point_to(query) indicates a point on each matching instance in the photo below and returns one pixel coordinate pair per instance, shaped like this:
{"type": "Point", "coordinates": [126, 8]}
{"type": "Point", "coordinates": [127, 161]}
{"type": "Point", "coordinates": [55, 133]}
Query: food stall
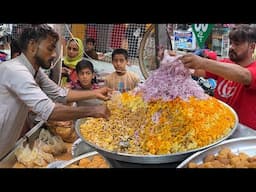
{"type": "Point", "coordinates": [150, 127]}
{"type": "Point", "coordinates": [140, 134]}
{"type": "Point", "coordinates": [147, 134]}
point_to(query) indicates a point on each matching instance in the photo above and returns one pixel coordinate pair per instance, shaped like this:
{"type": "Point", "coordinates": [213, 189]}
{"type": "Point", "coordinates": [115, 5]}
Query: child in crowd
{"type": "Point", "coordinates": [86, 76]}
{"type": "Point", "coordinates": [86, 81]}
{"type": "Point", "coordinates": [90, 50]}
{"type": "Point", "coordinates": [121, 80]}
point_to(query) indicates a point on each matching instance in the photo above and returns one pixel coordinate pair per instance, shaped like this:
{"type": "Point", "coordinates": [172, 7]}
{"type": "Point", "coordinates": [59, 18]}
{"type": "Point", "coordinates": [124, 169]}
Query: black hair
{"type": "Point", "coordinates": [120, 51]}
{"type": "Point", "coordinates": [254, 32]}
{"type": "Point", "coordinates": [15, 48]}
{"type": "Point", "coordinates": [83, 64]}
{"type": "Point", "coordinates": [71, 40]}
{"type": "Point", "coordinates": [90, 39]}
{"type": "Point", "coordinates": [242, 33]}
{"type": "Point", "coordinates": [37, 33]}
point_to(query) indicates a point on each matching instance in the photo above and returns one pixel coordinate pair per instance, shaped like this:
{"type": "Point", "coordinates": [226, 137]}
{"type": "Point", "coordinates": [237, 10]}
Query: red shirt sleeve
{"type": "Point", "coordinates": [252, 69]}
{"type": "Point", "coordinates": [211, 75]}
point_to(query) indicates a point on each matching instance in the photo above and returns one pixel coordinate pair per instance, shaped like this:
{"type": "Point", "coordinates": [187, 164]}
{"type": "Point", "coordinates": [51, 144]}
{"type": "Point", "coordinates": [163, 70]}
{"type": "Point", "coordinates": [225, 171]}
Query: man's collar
{"type": "Point", "coordinates": [28, 64]}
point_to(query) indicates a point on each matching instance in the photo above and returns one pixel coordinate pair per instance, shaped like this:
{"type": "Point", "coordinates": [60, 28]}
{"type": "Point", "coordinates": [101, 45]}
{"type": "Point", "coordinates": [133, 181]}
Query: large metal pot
{"type": "Point", "coordinates": [151, 159]}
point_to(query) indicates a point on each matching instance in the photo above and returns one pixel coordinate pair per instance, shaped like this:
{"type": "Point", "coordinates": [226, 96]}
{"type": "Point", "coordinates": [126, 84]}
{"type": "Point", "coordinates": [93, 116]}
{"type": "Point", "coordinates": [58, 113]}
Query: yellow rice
{"type": "Point", "coordinates": [159, 127]}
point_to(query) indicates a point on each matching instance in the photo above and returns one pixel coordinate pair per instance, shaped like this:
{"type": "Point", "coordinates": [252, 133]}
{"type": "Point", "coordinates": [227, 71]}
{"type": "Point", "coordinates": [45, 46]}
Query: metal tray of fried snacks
{"type": "Point", "coordinates": [9, 160]}
{"type": "Point", "coordinates": [100, 162]}
{"type": "Point", "coordinates": [246, 145]}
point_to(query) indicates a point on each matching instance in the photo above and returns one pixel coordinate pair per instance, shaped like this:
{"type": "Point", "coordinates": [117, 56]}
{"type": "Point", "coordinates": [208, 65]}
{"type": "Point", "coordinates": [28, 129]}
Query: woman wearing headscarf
{"type": "Point", "coordinates": [74, 54]}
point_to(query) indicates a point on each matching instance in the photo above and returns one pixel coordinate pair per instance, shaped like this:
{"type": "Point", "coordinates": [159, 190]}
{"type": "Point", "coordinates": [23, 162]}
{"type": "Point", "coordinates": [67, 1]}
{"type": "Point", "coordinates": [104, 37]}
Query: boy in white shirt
{"type": "Point", "coordinates": [121, 80]}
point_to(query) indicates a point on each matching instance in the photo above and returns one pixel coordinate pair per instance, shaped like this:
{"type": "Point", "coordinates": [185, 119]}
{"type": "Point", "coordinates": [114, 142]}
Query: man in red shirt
{"type": "Point", "coordinates": [236, 76]}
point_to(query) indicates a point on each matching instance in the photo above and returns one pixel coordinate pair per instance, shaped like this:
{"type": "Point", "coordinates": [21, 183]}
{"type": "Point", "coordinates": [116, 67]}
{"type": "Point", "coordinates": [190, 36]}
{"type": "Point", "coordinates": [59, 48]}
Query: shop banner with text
{"type": "Point", "coordinates": [202, 32]}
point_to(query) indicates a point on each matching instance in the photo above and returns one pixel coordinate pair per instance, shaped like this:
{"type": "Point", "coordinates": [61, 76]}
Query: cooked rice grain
{"type": "Point", "coordinates": [159, 127]}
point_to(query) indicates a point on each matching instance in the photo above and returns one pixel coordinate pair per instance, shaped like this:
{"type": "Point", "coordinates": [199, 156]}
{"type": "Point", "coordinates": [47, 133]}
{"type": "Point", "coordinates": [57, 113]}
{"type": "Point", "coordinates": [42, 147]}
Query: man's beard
{"type": "Point", "coordinates": [41, 62]}
{"type": "Point", "coordinates": [234, 57]}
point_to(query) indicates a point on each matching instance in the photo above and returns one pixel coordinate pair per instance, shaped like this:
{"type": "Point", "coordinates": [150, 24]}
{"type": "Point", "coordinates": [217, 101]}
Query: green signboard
{"type": "Point", "coordinates": [202, 32]}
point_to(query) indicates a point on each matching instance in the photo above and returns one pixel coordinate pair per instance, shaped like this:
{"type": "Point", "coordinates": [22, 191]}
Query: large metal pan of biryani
{"type": "Point", "coordinates": [163, 120]}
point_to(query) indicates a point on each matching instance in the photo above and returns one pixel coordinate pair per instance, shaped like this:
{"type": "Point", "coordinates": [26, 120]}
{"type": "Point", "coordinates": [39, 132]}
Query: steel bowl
{"type": "Point", "coordinates": [79, 147]}
{"type": "Point", "coordinates": [237, 145]}
{"type": "Point", "coordinates": [151, 159]}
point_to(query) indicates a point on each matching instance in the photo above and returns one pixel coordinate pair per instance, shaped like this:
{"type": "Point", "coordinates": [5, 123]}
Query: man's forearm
{"type": "Point", "coordinates": [231, 72]}
{"type": "Point", "coordinates": [65, 113]}
{"type": "Point", "coordinates": [75, 95]}
{"type": "Point", "coordinates": [199, 73]}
